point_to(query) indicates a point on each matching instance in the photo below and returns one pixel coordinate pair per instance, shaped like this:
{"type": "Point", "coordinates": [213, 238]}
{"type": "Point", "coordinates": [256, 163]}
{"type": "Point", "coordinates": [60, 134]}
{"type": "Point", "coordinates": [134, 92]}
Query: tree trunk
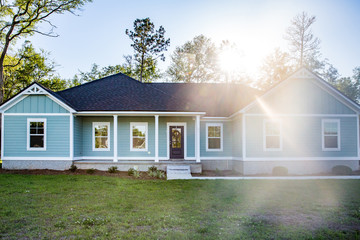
{"type": "Point", "coordinates": [141, 67]}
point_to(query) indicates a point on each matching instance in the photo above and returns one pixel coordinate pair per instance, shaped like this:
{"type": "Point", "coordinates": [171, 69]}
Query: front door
{"type": "Point", "coordinates": [177, 142]}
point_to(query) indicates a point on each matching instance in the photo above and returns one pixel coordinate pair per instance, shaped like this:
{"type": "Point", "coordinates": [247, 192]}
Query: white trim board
{"type": "Point", "coordinates": [39, 158]}
{"type": "Point", "coordinates": [289, 159]}
{"type": "Point", "coordinates": [37, 114]}
{"type": "Point", "coordinates": [138, 113]}
{"type": "Point", "coordinates": [299, 115]}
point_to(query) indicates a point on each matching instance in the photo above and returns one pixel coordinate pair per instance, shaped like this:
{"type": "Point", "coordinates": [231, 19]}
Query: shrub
{"type": "Point", "coordinates": [73, 168]}
{"type": "Point", "coordinates": [90, 171]}
{"type": "Point", "coordinates": [152, 174]}
{"type": "Point", "coordinates": [341, 170]}
{"type": "Point", "coordinates": [112, 169]}
{"type": "Point", "coordinates": [131, 171]}
{"type": "Point", "coordinates": [152, 169]}
{"type": "Point", "coordinates": [160, 174]}
{"type": "Point", "coordinates": [136, 173]}
{"type": "Point", "coordinates": [280, 171]}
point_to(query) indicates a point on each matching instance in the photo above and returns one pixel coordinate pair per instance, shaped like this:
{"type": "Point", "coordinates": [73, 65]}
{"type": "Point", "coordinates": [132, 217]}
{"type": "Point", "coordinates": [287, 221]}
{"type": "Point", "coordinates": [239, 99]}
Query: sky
{"type": "Point", "coordinates": [257, 27]}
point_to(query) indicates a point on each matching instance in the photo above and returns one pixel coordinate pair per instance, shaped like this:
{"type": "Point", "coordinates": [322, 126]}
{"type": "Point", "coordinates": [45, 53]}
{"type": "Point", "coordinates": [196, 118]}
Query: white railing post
{"type": "Point", "coordinates": [115, 138]}
{"type": "Point", "coordinates": [156, 138]}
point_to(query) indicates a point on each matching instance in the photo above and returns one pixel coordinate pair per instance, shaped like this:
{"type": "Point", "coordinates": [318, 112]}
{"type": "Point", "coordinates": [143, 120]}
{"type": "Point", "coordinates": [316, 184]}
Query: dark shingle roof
{"type": "Point", "coordinates": [122, 93]}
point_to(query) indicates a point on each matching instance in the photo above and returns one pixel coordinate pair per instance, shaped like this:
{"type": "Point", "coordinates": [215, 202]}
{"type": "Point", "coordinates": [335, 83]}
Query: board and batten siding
{"type": "Point", "coordinates": [227, 140]}
{"type": "Point", "coordinates": [301, 137]}
{"type": "Point", "coordinates": [36, 104]}
{"type": "Point", "coordinates": [300, 96]}
{"type": "Point", "coordinates": [57, 139]}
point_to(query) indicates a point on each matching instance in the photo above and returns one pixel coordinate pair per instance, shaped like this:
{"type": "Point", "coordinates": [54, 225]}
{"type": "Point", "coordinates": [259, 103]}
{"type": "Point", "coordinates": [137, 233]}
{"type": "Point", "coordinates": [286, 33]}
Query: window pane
{"type": "Point", "coordinates": [214, 143]}
{"type": "Point", "coordinates": [101, 142]}
{"type": "Point", "coordinates": [217, 131]}
{"type": "Point", "coordinates": [139, 131]}
{"type": "Point", "coordinates": [139, 143]}
{"type": "Point", "coordinates": [101, 130]}
{"type": "Point", "coordinates": [36, 141]}
{"type": "Point", "coordinates": [272, 128]}
{"type": "Point", "coordinates": [330, 128]}
{"type": "Point", "coordinates": [272, 142]}
{"type": "Point", "coordinates": [211, 132]}
{"type": "Point", "coordinates": [330, 141]}
{"type": "Point", "coordinates": [32, 130]}
{"type": "Point", "coordinates": [40, 131]}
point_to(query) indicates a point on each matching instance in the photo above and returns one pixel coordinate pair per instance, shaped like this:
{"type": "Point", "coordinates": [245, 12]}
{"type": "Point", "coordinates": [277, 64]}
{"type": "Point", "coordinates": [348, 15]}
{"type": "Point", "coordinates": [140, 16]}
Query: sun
{"type": "Point", "coordinates": [230, 60]}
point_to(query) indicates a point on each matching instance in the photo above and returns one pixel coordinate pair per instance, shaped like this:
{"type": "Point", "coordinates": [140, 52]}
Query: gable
{"type": "Point", "coordinates": [36, 104]}
{"type": "Point", "coordinates": [301, 95]}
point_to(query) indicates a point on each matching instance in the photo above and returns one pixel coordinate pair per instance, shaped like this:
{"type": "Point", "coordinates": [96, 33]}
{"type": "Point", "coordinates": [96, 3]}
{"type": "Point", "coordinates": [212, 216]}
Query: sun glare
{"type": "Point", "coordinates": [230, 60]}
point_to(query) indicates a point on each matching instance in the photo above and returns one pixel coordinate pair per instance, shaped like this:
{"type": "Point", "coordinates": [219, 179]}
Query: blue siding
{"type": "Point", "coordinates": [301, 96]}
{"type": "Point", "coordinates": [301, 138]}
{"type": "Point", "coordinates": [57, 142]}
{"type": "Point", "coordinates": [227, 141]}
{"type": "Point", "coordinates": [190, 131]}
{"type": "Point", "coordinates": [237, 137]}
{"type": "Point", "coordinates": [78, 134]}
{"type": "Point", "coordinates": [124, 137]}
{"type": "Point", "coordinates": [36, 104]}
{"type": "Point", "coordinates": [87, 138]}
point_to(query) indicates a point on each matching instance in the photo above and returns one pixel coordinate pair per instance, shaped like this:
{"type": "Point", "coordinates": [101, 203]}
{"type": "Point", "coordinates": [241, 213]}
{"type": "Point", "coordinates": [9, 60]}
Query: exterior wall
{"type": "Point", "coordinates": [301, 137]}
{"type": "Point", "coordinates": [87, 137]}
{"type": "Point", "coordinates": [227, 140]}
{"type": "Point", "coordinates": [190, 132]}
{"type": "Point", "coordinates": [237, 137]}
{"type": "Point", "coordinates": [38, 164]}
{"type": "Point", "coordinates": [124, 137]}
{"type": "Point", "coordinates": [36, 104]}
{"type": "Point", "coordinates": [296, 167]}
{"type": "Point", "coordinates": [78, 136]}
{"type": "Point", "coordinates": [300, 96]}
{"type": "Point", "coordinates": [57, 139]}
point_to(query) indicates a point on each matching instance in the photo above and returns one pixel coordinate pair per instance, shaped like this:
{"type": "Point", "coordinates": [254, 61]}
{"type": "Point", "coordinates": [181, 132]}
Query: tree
{"type": "Point", "coordinates": [276, 67]}
{"type": "Point", "coordinates": [149, 45]}
{"type": "Point", "coordinates": [127, 68]}
{"type": "Point", "coordinates": [195, 61]}
{"type": "Point", "coordinates": [21, 18]}
{"type": "Point", "coordinates": [26, 67]}
{"type": "Point", "coordinates": [303, 45]}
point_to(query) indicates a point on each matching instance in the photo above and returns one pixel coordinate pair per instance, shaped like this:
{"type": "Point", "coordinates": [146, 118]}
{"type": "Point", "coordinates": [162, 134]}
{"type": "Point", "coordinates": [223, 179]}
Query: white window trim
{"type": "Point", "coordinates": [221, 137]}
{"type": "Point", "coordinates": [146, 136]}
{"type": "Point", "coordinates": [28, 134]}
{"type": "Point", "coordinates": [264, 135]}
{"type": "Point", "coordinates": [93, 136]}
{"type": "Point", "coordinates": [323, 121]}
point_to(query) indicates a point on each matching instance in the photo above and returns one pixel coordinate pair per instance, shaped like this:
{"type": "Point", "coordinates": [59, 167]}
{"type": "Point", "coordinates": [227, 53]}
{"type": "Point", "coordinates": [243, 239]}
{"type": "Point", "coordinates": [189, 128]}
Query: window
{"type": "Point", "coordinates": [331, 135]}
{"type": "Point", "coordinates": [138, 136]}
{"type": "Point", "coordinates": [36, 137]}
{"type": "Point", "coordinates": [101, 136]}
{"type": "Point", "coordinates": [214, 133]}
{"type": "Point", "coordinates": [272, 135]}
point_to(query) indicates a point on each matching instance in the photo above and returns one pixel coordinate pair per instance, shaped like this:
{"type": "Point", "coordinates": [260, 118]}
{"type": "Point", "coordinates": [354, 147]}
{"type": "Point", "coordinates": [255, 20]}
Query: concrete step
{"type": "Point", "coordinates": [178, 172]}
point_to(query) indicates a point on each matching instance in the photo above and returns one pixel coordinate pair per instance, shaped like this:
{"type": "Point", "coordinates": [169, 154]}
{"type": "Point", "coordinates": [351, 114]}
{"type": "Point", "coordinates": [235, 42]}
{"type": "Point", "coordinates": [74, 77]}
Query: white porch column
{"type": "Point", "coordinates": [197, 138]}
{"type": "Point", "coordinates": [115, 138]}
{"type": "Point", "coordinates": [71, 136]}
{"type": "Point", "coordinates": [156, 138]}
{"type": "Point", "coordinates": [243, 136]}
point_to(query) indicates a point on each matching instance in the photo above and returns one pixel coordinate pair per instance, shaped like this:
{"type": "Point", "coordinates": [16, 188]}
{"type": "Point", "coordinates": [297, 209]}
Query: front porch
{"type": "Point", "coordinates": [103, 165]}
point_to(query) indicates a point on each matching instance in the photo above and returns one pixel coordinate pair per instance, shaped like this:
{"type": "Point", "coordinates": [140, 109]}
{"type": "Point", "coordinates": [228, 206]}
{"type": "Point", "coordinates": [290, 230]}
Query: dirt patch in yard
{"type": "Point", "coordinates": [143, 175]}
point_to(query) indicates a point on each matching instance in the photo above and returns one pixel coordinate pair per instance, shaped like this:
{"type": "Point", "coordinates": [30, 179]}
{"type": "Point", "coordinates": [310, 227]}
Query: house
{"type": "Point", "coordinates": [302, 123]}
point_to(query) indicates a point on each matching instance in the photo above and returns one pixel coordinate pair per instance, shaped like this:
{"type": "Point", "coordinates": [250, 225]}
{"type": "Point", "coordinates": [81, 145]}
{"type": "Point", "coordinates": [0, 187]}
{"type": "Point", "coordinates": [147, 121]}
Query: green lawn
{"type": "Point", "coordinates": [87, 207]}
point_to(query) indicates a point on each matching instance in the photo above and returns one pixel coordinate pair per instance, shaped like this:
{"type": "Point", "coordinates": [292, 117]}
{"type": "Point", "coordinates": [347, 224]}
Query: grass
{"type": "Point", "coordinates": [87, 207]}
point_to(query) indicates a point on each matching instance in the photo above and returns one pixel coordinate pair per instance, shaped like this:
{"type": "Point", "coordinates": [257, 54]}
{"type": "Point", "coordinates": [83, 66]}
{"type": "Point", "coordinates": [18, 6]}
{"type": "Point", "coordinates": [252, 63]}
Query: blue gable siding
{"type": "Point", "coordinates": [36, 104]}
{"type": "Point", "coordinates": [301, 137]}
{"type": "Point", "coordinates": [57, 141]}
{"type": "Point", "coordinates": [227, 141]}
{"type": "Point", "coordinates": [300, 96]}
{"type": "Point", "coordinates": [87, 137]}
